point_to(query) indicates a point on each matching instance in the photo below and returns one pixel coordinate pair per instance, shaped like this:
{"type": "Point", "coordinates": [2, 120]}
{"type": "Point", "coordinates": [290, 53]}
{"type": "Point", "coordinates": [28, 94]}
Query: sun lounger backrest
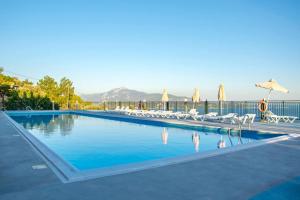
{"type": "Point", "coordinates": [193, 111]}
{"type": "Point", "coordinates": [230, 115]}
{"type": "Point", "coordinates": [213, 114]}
{"type": "Point", "coordinates": [269, 113]}
{"type": "Point", "coordinates": [250, 117]}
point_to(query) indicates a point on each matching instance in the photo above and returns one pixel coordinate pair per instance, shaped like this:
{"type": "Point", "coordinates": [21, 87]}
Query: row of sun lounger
{"type": "Point", "coordinates": [232, 118]}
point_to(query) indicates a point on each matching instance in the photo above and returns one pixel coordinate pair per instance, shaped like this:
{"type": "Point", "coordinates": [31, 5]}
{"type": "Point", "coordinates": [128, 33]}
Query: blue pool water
{"type": "Point", "coordinates": [89, 142]}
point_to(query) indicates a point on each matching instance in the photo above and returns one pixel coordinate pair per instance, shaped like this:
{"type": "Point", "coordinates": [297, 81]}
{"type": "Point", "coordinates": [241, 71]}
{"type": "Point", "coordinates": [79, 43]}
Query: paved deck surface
{"type": "Point", "coordinates": [264, 172]}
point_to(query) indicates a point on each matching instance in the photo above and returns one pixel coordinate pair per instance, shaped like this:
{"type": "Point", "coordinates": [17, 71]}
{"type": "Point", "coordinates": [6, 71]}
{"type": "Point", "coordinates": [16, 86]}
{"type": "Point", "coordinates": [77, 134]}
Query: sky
{"type": "Point", "coordinates": [154, 44]}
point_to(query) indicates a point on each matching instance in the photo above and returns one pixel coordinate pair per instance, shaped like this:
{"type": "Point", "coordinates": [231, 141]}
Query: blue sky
{"type": "Point", "coordinates": [149, 45]}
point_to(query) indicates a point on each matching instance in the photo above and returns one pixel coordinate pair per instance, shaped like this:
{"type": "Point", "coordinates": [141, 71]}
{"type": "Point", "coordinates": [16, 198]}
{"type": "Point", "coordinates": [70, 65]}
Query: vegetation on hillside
{"type": "Point", "coordinates": [16, 94]}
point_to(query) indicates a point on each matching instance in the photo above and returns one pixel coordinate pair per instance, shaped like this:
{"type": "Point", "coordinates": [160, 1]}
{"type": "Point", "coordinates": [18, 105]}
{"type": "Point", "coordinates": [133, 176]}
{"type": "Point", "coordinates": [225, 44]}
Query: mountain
{"type": "Point", "coordinates": [124, 94]}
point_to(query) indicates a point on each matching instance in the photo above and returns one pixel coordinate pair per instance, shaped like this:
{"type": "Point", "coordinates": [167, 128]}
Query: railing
{"type": "Point", "coordinates": [291, 108]}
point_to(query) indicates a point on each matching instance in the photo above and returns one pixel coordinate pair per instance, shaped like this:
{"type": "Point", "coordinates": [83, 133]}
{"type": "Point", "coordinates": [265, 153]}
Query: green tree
{"type": "Point", "coordinates": [67, 92]}
{"type": "Point", "coordinates": [49, 87]}
{"type": "Point", "coordinates": [5, 90]}
{"type": "Point", "coordinates": [19, 95]}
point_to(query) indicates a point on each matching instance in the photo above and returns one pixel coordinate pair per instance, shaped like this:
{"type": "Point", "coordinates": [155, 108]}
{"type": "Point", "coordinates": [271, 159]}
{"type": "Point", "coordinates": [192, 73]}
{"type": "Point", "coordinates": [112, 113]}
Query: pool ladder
{"type": "Point", "coordinates": [240, 134]}
{"type": "Point", "coordinates": [28, 108]}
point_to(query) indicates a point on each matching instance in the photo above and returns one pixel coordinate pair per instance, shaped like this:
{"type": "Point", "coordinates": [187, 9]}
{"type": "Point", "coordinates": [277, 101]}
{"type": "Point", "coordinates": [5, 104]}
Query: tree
{"type": "Point", "coordinates": [49, 87]}
{"type": "Point", "coordinates": [5, 90]}
{"type": "Point", "coordinates": [19, 95]}
{"type": "Point", "coordinates": [66, 92]}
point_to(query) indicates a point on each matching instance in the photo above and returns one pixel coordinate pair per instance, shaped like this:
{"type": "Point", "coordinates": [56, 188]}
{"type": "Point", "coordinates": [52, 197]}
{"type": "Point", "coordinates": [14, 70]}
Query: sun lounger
{"type": "Point", "coordinates": [224, 118]}
{"type": "Point", "coordinates": [250, 118]}
{"type": "Point", "coordinates": [165, 114]}
{"type": "Point", "coordinates": [179, 115]}
{"type": "Point", "coordinates": [245, 119]}
{"type": "Point", "coordinates": [272, 118]}
{"type": "Point", "coordinates": [124, 109]}
{"type": "Point", "coordinates": [117, 109]}
{"type": "Point", "coordinates": [205, 116]}
{"type": "Point", "coordinates": [228, 118]}
{"type": "Point", "coordinates": [191, 114]}
{"type": "Point", "coordinates": [151, 113]}
{"type": "Point", "coordinates": [288, 119]}
{"type": "Point", "coordinates": [130, 112]}
{"type": "Point", "coordinates": [158, 113]}
{"type": "Point", "coordinates": [155, 113]}
{"type": "Point", "coordinates": [170, 114]}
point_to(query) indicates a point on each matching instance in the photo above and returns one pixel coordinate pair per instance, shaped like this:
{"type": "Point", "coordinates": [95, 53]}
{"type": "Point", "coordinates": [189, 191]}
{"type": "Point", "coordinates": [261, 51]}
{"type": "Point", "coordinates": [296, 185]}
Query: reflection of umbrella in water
{"type": "Point", "coordinates": [164, 136]}
{"type": "Point", "coordinates": [221, 143]}
{"type": "Point", "coordinates": [196, 141]}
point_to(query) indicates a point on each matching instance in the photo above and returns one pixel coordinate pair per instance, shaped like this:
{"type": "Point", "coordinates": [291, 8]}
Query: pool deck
{"type": "Point", "coordinates": [269, 171]}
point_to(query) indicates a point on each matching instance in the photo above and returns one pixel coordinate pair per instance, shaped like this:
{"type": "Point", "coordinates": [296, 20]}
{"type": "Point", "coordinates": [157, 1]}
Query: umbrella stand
{"type": "Point", "coordinates": [206, 107]}
{"type": "Point", "coordinates": [268, 99]}
{"type": "Point", "coordinates": [220, 107]}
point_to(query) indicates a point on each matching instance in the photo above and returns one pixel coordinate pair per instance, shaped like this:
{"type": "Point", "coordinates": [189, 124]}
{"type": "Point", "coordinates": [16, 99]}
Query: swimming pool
{"type": "Point", "coordinates": [88, 142]}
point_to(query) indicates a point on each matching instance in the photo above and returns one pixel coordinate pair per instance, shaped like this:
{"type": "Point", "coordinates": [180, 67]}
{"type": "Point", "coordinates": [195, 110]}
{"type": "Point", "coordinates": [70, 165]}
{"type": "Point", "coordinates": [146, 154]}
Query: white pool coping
{"type": "Point", "coordinates": [68, 173]}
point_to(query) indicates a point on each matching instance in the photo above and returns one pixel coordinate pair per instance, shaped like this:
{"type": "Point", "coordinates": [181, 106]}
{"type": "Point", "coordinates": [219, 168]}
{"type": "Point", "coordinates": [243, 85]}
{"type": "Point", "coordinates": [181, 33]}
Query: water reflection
{"type": "Point", "coordinates": [164, 136]}
{"type": "Point", "coordinates": [221, 143]}
{"type": "Point", "coordinates": [231, 138]}
{"type": "Point", "coordinates": [240, 141]}
{"type": "Point", "coordinates": [64, 125]}
{"type": "Point", "coordinates": [196, 141]}
{"type": "Point", "coordinates": [48, 124]}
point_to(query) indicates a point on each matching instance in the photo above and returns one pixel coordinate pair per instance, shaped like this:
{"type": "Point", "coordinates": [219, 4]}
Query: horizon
{"type": "Point", "coordinates": [148, 46]}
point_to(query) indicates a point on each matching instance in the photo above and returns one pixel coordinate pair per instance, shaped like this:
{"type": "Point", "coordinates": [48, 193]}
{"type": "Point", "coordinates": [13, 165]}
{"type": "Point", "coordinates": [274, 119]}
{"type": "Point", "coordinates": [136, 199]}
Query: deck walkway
{"type": "Point", "coordinates": [258, 173]}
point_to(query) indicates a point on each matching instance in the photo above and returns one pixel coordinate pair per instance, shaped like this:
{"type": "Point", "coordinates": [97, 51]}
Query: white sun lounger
{"type": "Point", "coordinates": [191, 114]}
{"type": "Point", "coordinates": [151, 113]}
{"type": "Point", "coordinates": [245, 119]}
{"type": "Point", "coordinates": [179, 115]}
{"type": "Point", "coordinates": [250, 118]}
{"type": "Point", "coordinates": [205, 116]}
{"type": "Point", "coordinates": [288, 119]}
{"type": "Point", "coordinates": [224, 118]}
{"type": "Point", "coordinates": [171, 114]}
{"type": "Point", "coordinates": [165, 114]}
{"type": "Point", "coordinates": [124, 109]}
{"type": "Point", "coordinates": [130, 112]}
{"type": "Point", "coordinates": [158, 113]}
{"type": "Point", "coordinates": [272, 118]}
{"type": "Point", "coordinates": [117, 109]}
{"type": "Point", "coordinates": [139, 113]}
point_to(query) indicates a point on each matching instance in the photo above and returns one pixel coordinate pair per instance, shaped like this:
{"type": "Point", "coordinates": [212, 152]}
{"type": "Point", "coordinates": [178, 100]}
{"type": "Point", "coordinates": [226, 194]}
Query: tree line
{"type": "Point", "coordinates": [46, 94]}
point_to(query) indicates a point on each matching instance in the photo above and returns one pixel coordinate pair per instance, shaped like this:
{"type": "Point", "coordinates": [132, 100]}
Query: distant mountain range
{"type": "Point", "coordinates": [124, 94]}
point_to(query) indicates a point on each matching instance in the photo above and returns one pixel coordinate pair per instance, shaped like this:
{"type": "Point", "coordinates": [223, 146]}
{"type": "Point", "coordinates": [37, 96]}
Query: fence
{"type": "Point", "coordinates": [291, 108]}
